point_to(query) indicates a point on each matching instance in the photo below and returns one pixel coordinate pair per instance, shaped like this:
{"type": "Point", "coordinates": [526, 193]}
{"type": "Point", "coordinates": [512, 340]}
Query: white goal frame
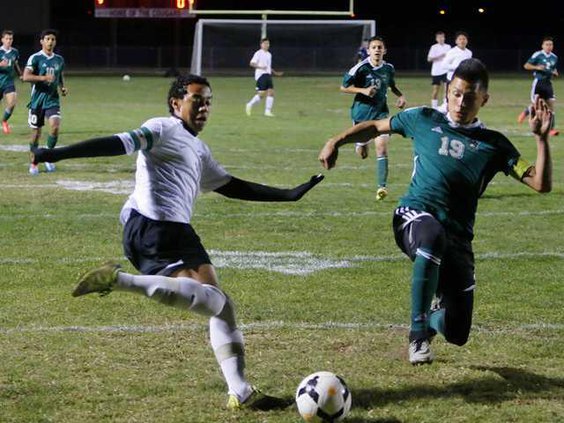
{"type": "Point", "coordinates": [196, 64]}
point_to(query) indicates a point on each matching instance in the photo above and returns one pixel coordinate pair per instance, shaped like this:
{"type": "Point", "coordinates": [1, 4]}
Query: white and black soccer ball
{"type": "Point", "coordinates": [323, 397]}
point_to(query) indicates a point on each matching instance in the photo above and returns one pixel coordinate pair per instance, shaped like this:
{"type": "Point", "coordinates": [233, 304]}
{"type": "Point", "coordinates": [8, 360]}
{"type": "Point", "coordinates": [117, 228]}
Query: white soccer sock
{"type": "Point", "coordinates": [434, 103]}
{"type": "Point", "coordinates": [269, 103]}
{"type": "Point", "coordinates": [179, 292]}
{"type": "Point", "coordinates": [226, 339]}
{"type": "Point", "coordinates": [228, 345]}
{"type": "Point", "coordinates": [254, 100]}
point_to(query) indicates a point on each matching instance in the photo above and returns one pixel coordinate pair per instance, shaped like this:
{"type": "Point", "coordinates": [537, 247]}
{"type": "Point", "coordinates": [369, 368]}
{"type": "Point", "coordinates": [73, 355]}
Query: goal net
{"type": "Point", "coordinates": [225, 46]}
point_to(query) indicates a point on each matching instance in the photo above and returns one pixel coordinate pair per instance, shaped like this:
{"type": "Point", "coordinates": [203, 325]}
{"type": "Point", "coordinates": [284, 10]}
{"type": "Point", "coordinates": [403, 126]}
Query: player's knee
{"type": "Point", "coordinates": [458, 335]}
{"type": "Point", "coordinates": [459, 340]}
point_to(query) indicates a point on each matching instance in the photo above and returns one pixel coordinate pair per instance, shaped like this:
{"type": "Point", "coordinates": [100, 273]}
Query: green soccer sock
{"type": "Point", "coordinates": [423, 286]}
{"type": "Point", "coordinates": [52, 141]}
{"type": "Point", "coordinates": [382, 170]}
{"type": "Point", "coordinates": [7, 114]}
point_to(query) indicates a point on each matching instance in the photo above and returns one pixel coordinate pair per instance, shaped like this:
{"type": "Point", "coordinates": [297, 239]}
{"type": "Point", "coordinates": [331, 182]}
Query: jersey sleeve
{"type": "Point", "coordinates": [404, 123]}
{"type": "Point", "coordinates": [255, 58]}
{"type": "Point", "coordinates": [511, 162]}
{"type": "Point", "coordinates": [213, 174]}
{"type": "Point", "coordinates": [143, 138]}
{"type": "Point", "coordinates": [31, 63]}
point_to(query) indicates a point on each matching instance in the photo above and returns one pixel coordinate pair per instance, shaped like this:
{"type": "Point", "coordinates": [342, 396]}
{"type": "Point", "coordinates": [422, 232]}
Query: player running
{"type": "Point", "coordinates": [9, 57]}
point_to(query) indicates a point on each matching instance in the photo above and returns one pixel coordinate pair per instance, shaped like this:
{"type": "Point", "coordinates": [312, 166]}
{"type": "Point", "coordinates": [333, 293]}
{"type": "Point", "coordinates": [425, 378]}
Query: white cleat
{"type": "Point", "coordinates": [269, 113]}
{"type": "Point", "coordinates": [33, 170]}
{"type": "Point", "coordinates": [420, 352]}
{"type": "Point", "coordinates": [50, 167]}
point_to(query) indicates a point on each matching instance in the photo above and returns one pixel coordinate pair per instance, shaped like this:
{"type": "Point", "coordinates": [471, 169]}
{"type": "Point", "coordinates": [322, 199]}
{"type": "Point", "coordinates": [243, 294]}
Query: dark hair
{"type": "Point", "coordinates": [547, 38]}
{"type": "Point", "coordinates": [458, 33]}
{"type": "Point", "coordinates": [262, 40]}
{"type": "Point", "coordinates": [439, 33]}
{"type": "Point", "coordinates": [473, 71]}
{"type": "Point", "coordinates": [376, 38]}
{"type": "Point", "coordinates": [46, 32]}
{"type": "Point", "coordinates": [7, 32]}
{"type": "Point", "coordinates": [178, 87]}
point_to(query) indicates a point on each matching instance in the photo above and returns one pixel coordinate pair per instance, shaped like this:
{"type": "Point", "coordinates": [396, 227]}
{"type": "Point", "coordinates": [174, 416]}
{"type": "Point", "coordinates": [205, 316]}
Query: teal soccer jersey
{"type": "Point", "coordinates": [549, 61]}
{"type": "Point", "coordinates": [452, 165]}
{"type": "Point", "coordinates": [8, 60]}
{"type": "Point", "coordinates": [45, 95]}
{"type": "Point", "coordinates": [365, 75]}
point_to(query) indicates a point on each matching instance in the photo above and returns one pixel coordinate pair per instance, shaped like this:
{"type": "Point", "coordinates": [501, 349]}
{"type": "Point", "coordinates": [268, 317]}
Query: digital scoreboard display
{"type": "Point", "coordinates": [143, 8]}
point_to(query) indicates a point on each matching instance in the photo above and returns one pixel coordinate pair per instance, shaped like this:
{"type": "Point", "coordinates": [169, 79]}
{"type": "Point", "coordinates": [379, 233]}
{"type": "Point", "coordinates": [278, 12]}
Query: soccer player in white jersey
{"type": "Point", "coordinates": [436, 54]}
{"type": "Point", "coordinates": [173, 166]}
{"type": "Point", "coordinates": [262, 62]}
{"type": "Point", "coordinates": [453, 58]}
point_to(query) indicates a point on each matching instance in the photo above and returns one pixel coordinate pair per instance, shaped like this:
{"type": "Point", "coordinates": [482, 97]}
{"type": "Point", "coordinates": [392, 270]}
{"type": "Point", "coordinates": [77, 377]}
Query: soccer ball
{"type": "Point", "coordinates": [126, 77]}
{"type": "Point", "coordinates": [323, 397]}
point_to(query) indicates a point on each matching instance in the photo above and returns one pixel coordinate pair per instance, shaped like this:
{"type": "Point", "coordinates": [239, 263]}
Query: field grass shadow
{"type": "Point", "coordinates": [508, 383]}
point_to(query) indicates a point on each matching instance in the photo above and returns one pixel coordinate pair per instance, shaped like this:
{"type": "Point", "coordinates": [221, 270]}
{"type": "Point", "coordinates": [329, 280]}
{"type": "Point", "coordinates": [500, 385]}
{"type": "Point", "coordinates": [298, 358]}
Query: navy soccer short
{"type": "Point", "coordinates": [413, 228]}
{"type": "Point", "coordinates": [36, 117]}
{"type": "Point", "coordinates": [158, 247]}
{"type": "Point", "coordinates": [7, 89]}
{"type": "Point", "coordinates": [265, 82]}
{"type": "Point", "coordinates": [439, 79]}
{"type": "Point", "coordinates": [543, 87]}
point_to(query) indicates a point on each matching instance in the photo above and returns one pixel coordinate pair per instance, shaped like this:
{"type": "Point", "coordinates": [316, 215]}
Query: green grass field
{"type": "Point", "coordinates": [319, 284]}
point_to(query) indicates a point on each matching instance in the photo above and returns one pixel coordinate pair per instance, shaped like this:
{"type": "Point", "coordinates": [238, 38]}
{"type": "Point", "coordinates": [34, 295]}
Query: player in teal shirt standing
{"type": "Point", "coordinates": [455, 157]}
{"type": "Point", "coordinates": [369, 80]}
{"type": "Point", "coordinates": [8, 66]}
{"type": "Point", "coordinates": [543, 64]}
{"type": "Point", "coordinates": [44, 70]}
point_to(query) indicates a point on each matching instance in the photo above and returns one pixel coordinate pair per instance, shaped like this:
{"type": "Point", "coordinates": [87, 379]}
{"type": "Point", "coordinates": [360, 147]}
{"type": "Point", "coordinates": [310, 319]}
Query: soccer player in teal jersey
{"type": "Point", "coordinates": [543, 64]}
{"type": "Point", "coordinates": [8, 65]}
{"type": "Point", "coordinates": [455, 157]}
{"type": "Point", "coordinates": [44, 70]}
{"type": "Point", "coordinates": [369, 80]}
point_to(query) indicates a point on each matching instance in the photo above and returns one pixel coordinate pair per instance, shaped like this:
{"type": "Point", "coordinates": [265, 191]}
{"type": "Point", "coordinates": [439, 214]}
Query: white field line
{"type": "Point", "coordinates": [286, 213]}
{"type": "Point", "coordinates": [298, 263]}
{"type": "Point", "coordinates": [270, 325]}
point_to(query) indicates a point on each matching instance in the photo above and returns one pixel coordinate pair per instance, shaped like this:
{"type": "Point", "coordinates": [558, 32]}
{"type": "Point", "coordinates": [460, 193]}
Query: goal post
{"type": "Point", "coordinates": [225, 46]}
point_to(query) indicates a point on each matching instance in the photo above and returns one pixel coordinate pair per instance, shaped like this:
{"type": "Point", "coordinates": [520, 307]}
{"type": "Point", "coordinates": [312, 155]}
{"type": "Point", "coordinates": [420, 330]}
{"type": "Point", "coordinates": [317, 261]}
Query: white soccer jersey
{"type": "Point", "coordinates": [173, 166]}
{"type": "Point", "coordinates": [453, 58]}
{"type": "Point", "coordinates": [264, 60]}
{"type": "Point", "coordinates": [436, 56]}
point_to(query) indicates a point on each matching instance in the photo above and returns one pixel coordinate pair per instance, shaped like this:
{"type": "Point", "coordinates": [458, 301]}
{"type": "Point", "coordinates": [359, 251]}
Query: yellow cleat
{"type": "Point", "coordinates": [381, 193]}
{"type": "Point", "coordinates": [257, 401]}
{"type": "Point", "coordinates": [99, 280]}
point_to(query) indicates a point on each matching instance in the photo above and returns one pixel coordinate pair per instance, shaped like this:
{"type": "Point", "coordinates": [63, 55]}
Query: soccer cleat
{"type": "Point", "coordinates": [257, 401]}
{"type": "Point", "coordinates": [5, 127]}
{"type": "Point", "coordinates": [420, 352]}
{"type": "Point", "coordinates": [50, 167]}
{"type": "Point", "coordinates": [248, 109]}
{"type": "Point", "coordinates": [522, 116]}
{"type": "Point", "coordinates": [381, 193]}
{"type": "Point", "coordinates": [554, 132]}
{"type": "Point", "coordinates": [99, 280]}
{"type": "Point", "coordinates": [268, 113]}
{"type": "Point", "coordinates": [33, 170]}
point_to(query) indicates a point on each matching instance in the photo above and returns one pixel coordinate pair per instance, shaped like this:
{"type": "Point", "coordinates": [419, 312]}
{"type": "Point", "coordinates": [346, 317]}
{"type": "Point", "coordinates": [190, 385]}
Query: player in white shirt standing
{"type": "Point", "coordinates": [173, 166]}
{"type": "Point", "coordinates": [453, 58]}
{"type": "Point", "coordinates": [435, 56]}
{"type": "Point", "coordinates": [262, 62]}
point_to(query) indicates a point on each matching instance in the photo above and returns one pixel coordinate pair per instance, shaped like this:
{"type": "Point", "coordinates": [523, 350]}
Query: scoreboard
{"type": "Point", "coordinates": [143, 8]}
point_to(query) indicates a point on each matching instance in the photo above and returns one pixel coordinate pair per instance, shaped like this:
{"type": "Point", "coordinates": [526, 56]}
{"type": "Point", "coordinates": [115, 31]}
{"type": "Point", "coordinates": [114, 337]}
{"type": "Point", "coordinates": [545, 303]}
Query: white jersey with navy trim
{"type": "Point", "coordinates": [263, 59]}
{"type": "Point", "coordinates": [173, 166]}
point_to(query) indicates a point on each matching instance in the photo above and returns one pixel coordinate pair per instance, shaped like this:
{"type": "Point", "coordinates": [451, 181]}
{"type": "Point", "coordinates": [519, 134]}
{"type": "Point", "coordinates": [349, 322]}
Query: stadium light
{"type": "Point", "coordinates": [180, 4]}
{"type": "Point", "coordinates": [481, 10]}
{"type": "Point", "coordinates": [442, 12]}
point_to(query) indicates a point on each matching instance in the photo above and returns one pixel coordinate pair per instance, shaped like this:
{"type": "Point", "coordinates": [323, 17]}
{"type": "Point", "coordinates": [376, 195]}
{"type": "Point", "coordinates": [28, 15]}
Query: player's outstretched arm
{"type": "Point", "coordinates": [539, 176]}
{"type": "Point", "coordinates": [95, 147]}
{"type": "Point", "coordinates": [251, 191]}
{"type": "Point", "coordinates": [359, 133]}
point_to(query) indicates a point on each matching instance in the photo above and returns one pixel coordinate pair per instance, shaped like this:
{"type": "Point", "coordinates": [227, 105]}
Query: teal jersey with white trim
{"type": "Point", "coordinates": [453, 165]}
{"type": "Point", "coordinates": [364, 75]}
{"type": "Point", "coordinates": [549, 61]}
{"type": "Point", "coordinates": [45, 95]}
{"type": "Point", "coordinates": [8, 60]}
